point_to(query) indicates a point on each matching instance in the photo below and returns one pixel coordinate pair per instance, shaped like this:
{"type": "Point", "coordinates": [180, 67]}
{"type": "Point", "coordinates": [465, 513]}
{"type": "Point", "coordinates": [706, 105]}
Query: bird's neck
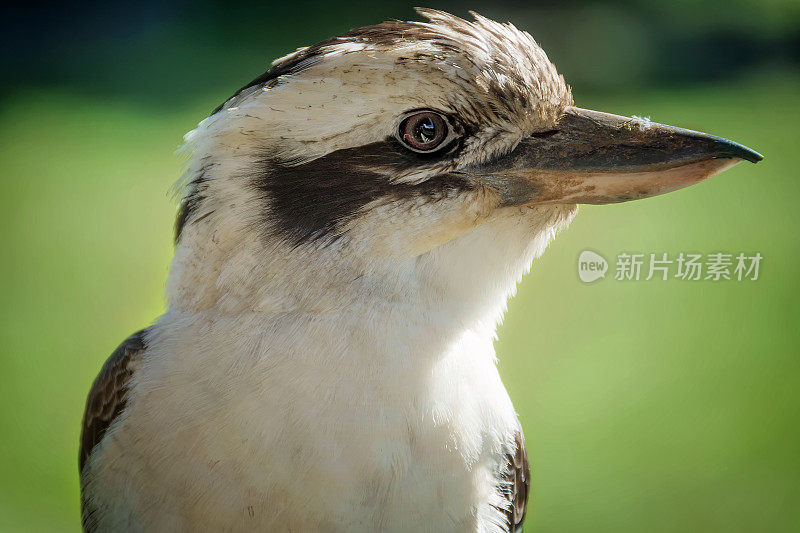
{"type": "Point", "coordinates": [461, 285]}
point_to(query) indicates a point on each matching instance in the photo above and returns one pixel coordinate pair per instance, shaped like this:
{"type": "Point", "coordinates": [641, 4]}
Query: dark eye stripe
{"type": "Point", "coordinates": [308, 202]}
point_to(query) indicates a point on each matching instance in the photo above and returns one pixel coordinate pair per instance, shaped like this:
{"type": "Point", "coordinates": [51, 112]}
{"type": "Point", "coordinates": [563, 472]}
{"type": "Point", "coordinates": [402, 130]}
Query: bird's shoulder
{"type": "Point", "coordinates": [515, 482]}
{"type": "Point", "coordinates": [109, 392]}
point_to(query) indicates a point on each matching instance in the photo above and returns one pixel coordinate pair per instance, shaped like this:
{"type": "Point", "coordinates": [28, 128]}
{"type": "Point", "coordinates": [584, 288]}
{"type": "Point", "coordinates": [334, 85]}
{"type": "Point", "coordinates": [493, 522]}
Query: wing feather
{"type": "Point", "coordinates": [515, 483]}
{"type": "Point", "coordinates": [109, 392]}
{"type": "Point", "coordinates": [107, 398]}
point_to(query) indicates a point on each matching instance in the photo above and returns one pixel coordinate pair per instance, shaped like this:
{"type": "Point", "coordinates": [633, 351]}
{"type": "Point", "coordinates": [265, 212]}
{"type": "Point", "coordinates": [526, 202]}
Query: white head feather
{"type": "Point", "coordinates": [350, 92]}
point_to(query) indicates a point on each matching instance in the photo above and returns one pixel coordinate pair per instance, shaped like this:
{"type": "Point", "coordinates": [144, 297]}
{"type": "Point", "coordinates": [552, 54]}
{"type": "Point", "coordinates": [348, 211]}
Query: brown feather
{"type": "Point", "coordinates": [107, 398]}
{"type": "Point", "coordinates": [515, 483]}
{"type": "Point", "coordinates": [108, 394]}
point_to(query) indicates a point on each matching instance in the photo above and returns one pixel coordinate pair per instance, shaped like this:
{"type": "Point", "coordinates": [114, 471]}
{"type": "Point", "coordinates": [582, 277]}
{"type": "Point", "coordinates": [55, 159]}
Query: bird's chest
{"type": "Point", "coordinates": [364, 436]}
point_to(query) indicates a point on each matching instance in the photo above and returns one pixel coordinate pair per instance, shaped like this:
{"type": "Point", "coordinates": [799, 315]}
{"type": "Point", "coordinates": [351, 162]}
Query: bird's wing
{"type": "Point", "coordinates": [109, 392]}
{"type": "Point", "coordinates": [515, 483]}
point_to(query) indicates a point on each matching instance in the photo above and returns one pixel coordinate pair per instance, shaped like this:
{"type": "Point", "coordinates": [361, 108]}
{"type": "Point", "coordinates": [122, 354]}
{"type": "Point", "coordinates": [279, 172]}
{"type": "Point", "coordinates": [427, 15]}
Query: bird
{"type": "Point", "coordinates": [351, 226]}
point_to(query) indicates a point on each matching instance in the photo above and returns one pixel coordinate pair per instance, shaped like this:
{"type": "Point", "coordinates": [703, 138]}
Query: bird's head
{"type": "Point", "coordinates": [407, 160]}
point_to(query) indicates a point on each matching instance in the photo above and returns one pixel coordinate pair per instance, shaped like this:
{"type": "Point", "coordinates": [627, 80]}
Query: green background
{"type": "Point", "coordinates": [647, 406]}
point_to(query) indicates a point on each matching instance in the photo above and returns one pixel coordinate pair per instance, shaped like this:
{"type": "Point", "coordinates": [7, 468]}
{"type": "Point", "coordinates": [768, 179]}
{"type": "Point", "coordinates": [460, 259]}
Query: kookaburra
{"type": "Point", "coordinates": [353, 222]}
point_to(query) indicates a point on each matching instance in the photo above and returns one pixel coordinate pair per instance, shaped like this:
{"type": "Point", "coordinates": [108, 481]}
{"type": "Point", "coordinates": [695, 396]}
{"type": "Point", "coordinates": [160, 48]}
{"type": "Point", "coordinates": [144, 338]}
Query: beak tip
{"type": "Point", "coordinates": [751, 155]}
{"type": "Point", "coordinates": [732, 149]}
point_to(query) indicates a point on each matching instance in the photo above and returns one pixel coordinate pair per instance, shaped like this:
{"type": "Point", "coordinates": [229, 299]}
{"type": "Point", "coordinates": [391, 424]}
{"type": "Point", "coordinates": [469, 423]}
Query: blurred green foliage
{"type": "Point", "coordinates": [657, 406]}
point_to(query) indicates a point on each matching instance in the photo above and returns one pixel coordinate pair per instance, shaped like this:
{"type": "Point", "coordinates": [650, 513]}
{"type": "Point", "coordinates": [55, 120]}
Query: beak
{"type": "Point", "coordinates": [598, 158]}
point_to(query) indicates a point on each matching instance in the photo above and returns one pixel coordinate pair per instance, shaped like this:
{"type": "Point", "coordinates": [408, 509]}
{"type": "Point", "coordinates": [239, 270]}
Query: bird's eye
{"type": "Point", "coordinates": [424, 131]}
